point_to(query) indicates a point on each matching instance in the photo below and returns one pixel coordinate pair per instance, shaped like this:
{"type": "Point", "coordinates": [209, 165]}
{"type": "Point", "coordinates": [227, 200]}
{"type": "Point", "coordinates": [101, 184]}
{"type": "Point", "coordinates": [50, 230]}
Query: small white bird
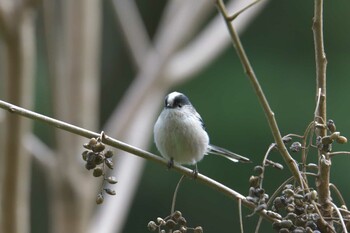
{"type": "Point", "coordinates": [180, 135]}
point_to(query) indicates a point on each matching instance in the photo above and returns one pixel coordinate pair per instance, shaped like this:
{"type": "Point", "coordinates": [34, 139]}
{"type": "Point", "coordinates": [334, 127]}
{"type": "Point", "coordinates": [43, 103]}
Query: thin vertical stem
{"type": "Point", "coordinates": [322, 181]}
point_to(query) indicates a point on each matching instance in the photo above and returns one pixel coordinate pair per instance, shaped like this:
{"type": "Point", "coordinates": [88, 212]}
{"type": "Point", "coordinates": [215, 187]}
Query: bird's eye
{"type": "Point", "coordinates": [179, 105]}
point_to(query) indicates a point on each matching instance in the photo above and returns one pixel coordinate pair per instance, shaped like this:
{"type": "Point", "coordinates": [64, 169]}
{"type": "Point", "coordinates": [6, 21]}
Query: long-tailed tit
{"type": "Point", "coordinates": [180, 135]}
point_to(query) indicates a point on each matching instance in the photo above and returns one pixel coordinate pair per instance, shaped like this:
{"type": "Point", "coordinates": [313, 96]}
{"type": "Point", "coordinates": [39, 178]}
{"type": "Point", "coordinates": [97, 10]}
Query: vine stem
{"type": "Point", "coordinates": [259, 92]}
{"type": "Point", "coordinates": [232, 194]}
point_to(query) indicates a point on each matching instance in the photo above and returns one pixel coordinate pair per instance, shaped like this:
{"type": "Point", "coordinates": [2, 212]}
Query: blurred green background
{"type": "Point", "coordinates": [279, 44]}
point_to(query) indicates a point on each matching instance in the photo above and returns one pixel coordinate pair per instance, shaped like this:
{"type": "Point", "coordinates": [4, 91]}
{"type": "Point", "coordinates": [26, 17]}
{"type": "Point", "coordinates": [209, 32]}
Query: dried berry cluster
{"type": "Point", "coordinates": [257, 194]}
{"type": "Point", "coordinates": [298, 209]}
{"type": "Point", "coordinates": [98, 158]}
{"type": "Point", "coordinates": [325, 143]}
{"type": "Point", "coordinates": [175, 223]}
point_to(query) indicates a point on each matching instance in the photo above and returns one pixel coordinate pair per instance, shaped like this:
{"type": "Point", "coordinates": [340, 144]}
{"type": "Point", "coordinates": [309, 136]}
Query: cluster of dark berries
{"type": "Point", "coordinates": [298, 210]}
{"type": "Point", "coordinates": [174, 223]}
{"type": "Point", "coordinates": [99, 159]}
{"type": "Point", "coordinates": [325, 143]}
{"type": "Point", "coordinates": [257, 194]}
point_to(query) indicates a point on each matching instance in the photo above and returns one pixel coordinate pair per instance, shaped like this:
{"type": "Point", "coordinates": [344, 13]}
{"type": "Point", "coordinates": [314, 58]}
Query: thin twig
{"type": "Point", "coordinates": [336, 190]}
{"type": "Point", "coordinates": [235, 15]}
{"type": "Point", "coordinates": [175, 195]}
{"type": "Point", "coordinates": [240, 215]}
{"type": "Point", "coordinates": [133, 150]}
{"type": "Point", "coordinates": [260, 94]}
{"type": "Point", "coordinates": [264, 163]}
{"type": "Point", "coordinates": [331, 154]}
{"type": "Point", "coordinates": [340, 217]}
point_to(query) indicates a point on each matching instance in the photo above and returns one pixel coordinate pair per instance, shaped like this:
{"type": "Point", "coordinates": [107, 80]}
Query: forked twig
{"type": "Point", "coordinates": [260, 94]}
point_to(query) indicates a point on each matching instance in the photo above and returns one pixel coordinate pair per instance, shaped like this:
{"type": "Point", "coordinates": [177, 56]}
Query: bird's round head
{"type": "Point", "coordinates": [176, 100]}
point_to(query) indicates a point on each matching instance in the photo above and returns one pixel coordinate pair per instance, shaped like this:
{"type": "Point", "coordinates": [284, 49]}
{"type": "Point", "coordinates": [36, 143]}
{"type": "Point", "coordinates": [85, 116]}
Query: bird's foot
{"type": "Point", "coordinates": [170, 163]}
{"type": "Point", "coordinates": [195, 172]}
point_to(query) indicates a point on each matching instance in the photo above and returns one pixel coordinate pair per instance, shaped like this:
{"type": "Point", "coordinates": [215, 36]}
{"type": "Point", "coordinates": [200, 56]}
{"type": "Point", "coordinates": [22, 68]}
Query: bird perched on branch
{"type": "Point", "coordinates": [180, 135]}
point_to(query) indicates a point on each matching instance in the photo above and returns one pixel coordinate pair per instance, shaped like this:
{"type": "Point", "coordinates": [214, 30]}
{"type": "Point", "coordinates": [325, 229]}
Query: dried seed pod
{"type": "Point", "coordinates": [286, 139]}
{"type": "Point", "coordinates": [109, 163]}
{"type": "Point", "coordinates": [286, 224]}
{"type": "Point", "coordinates": [84, 155]}
{"type": "Point", "coordinates": [334, 135]}
{"type": "Point", "coordinates": [254, 181]}
{"type": "Point", "coordinates": [152, 226]}
{"type": "Point", "coordinates": [110, 191]}
{"type": "Point", "coordinates": [312, 166]}
{"type": "Point", "coordinates": [92, 142]}
{"type": "Point", "coordinates": [182, 221]}
{"type": "Point", "coordinates": [299, 202]}
{"type": "Point", "coordinates": [288, 192]}
{"type": "Point", "coordinates": [308, 230]}
{"type": "Point", "coordinates": [87, 146]}
{"type": "Point", "coordinates": [313, 195]}
{"type": "Point", "coordinates": [291, 216]}
{"type": "Point", "coordinates": [252, 199]}
{"type": "Point", "coordinates": [99, 159]}
{"type": "Point", "coordinates": [326, 140]}
{"type": "Point", "coordinates": [112, 180]}
{"type": "Point", "coordinates": [298, 196]}
{"type": "Point", "coordinates": [90, 157]}
{"type": "Point", "coordinates": [160, 221]}
{"type": "Point", "coordinates": [273, 214]}
{"type": "Point", "coordinates": [299, 210]}
{"type": "Point", "coordinates": [331, 125]}
{"type": "Point", "coordinates": [276, 225]}
{"type": "Point", "coordinates": [300, 221]}
{"type": "Point", "coordinates": [176, 215]}
{"type": "Point", "coordinates": [259, 191]}
{"type": "Point", "coordinates": [283, 230]}
{"type": "Point", "coordinates": [290, 208]}
{"type": "Point", "coordinates": [99, 199]}
{"type": "Point", "coordinates": [183, 229]}
{"type": "Point", "coordinates": [260, 207]}
{"type": "Point", "coordinates": [342, 140]}
{"type": "Point", "coordinates": [170, 224]}
{"type": "Point", "coordinates": [259, 170]}
{"type": "Point", "coordinates": [198, 229]}
{"type": "Point", "coordinates": [311, 224]}
{"type": "Point", "coordinates": [108, 154]}
{"type": "Point", "coordinates": [99, 147]}
{"type": "Point", "coordinates": [279, 203]}
{"type": "Point", "coordinates": [90, 165]}
{"type": "Point", "coordinates": [295, 147]}
{"type": "Point", "coordinates": [310, 209]}
{"type": "Point", "coordinates": [97, 172]}
{"type": "Point", "coordinates": [299, 230]}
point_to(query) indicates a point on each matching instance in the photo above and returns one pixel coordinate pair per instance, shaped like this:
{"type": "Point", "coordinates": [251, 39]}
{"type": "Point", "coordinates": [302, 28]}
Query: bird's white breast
{"type": "Point", "coordinates": [180, 135]}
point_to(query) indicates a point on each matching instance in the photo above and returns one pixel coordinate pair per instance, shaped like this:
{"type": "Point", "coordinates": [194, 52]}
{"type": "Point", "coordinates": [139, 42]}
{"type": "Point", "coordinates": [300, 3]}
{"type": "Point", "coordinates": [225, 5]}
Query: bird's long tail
{"type": "Point", "coordinates": [228, 154]}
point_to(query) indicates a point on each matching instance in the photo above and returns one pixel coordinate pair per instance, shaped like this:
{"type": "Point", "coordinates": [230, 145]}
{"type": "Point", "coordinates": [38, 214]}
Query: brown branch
{"type": "Point", "coordinates": [133, 150]}
{"type": "Point", "coordinates": [260, 94]}
{"type": "Point", "coordinates": [322, 181]}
